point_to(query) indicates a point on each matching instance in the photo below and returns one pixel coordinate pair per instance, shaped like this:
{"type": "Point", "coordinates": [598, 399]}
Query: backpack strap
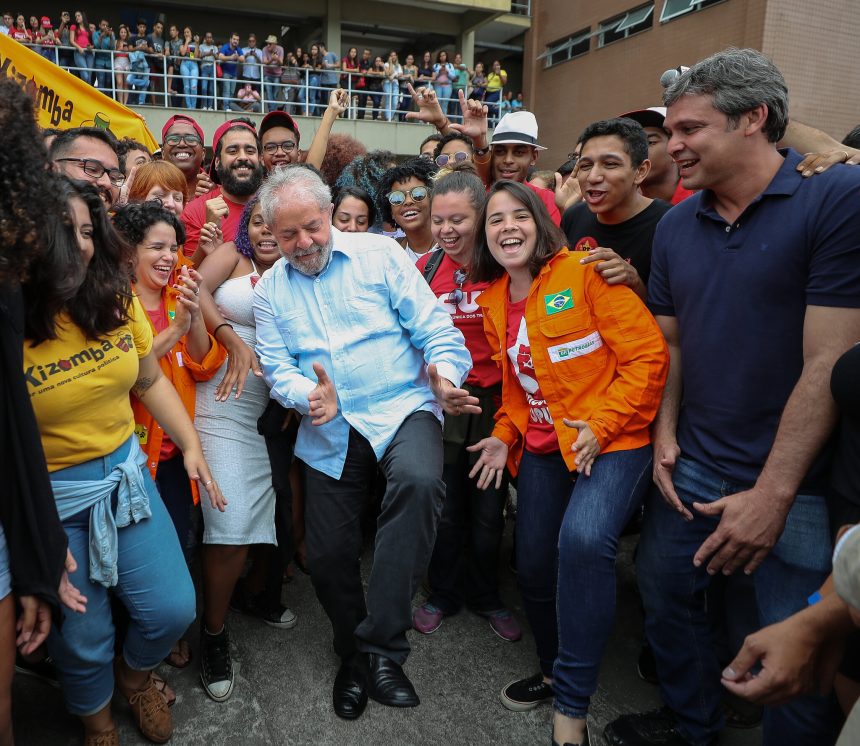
{"type": "Point", "coordinates": [432, 265]}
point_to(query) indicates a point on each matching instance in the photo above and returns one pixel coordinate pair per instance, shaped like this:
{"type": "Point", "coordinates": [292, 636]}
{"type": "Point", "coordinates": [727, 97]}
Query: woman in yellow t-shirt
{"type": "Point", "coordinates": [497, 79]}
{"type": "Point", "coordinates": [81, 361]}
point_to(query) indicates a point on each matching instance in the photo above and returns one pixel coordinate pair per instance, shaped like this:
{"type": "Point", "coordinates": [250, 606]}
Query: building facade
{"type": "Point", "coordinates": [591, 59]}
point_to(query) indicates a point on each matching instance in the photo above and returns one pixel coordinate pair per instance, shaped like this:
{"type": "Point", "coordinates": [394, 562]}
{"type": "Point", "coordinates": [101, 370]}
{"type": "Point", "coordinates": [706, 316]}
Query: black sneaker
{"type": "Point", "coordinates": [43, 669]}
{"type": "Point", "coordinates": [216, 666]}
{"type": "Point", "coordinates": [655, 728]}
{"type": "Point", "coordinates": [243, 603]}
{"type": "Point", "coordinates": [526, 694]}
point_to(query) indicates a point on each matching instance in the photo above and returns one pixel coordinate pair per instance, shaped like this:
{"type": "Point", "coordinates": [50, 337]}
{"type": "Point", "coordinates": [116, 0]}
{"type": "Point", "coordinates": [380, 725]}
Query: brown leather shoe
{"type": "Point", "coordinates": [151, 712]}
{"type": "Point", "coordinates": [105, 738]}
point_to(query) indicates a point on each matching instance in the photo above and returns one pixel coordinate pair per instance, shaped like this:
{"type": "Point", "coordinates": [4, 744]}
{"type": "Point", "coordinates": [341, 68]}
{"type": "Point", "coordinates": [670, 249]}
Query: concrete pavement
{"type": "Point", "coordinates": [283, 686]}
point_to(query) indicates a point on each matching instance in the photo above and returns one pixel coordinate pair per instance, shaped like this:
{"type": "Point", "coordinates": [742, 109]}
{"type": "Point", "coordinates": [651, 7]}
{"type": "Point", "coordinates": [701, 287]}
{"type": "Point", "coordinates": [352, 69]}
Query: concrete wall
{"type": "Point", "coordinates": [624, 75]}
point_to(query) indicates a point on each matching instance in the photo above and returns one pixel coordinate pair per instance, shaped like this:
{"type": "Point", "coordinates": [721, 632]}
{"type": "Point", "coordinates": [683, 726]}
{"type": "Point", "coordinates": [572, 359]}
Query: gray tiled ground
{"type": "Point", "coordinates": [283, 686]}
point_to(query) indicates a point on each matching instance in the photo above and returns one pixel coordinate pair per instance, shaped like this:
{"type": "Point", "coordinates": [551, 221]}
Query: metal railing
{"type": "Point", "coordinates": [297, 90]}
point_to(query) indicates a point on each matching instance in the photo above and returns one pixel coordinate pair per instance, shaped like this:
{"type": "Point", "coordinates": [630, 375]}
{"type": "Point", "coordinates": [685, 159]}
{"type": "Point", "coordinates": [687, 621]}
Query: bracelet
{"type": "Point", "coordinates": [481, 151]}
{"type": "Point", "coordinates": [443, 126]}
{"type": "Point", "coordinates": [215, 330]}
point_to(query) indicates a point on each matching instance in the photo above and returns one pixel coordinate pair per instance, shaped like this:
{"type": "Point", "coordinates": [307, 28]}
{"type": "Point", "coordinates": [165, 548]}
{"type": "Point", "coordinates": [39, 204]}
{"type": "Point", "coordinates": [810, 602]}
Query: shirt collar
{"type": "Point", "coordinates": [784, 183]}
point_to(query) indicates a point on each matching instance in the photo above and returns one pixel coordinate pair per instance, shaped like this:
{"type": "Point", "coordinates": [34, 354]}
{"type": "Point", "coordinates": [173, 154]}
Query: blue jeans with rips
{"type": "Point", "coordinates": [567, 538]}
{"type": "Point", "coordinates": [677, 622]}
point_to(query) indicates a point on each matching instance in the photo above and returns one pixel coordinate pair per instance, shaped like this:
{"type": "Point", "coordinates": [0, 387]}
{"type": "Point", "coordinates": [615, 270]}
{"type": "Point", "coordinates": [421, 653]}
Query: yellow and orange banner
{"type": "Point", "coordinates": [64, 101]}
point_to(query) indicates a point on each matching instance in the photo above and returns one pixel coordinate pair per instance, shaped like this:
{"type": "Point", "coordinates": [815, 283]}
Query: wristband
{"type": "Point", "coordinates": [215, 330]}
{"type": "Point", "coordinates": [481, 151]}
{"type": "Point", "coordinates": [442, 127]}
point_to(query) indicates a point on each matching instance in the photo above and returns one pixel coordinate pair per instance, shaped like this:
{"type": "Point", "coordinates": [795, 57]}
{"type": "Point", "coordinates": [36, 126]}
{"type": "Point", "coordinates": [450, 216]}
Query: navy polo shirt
{"type": "Point", "coordinates": [739, 293]}
{"type": "Point", "coordinates": [229, 68]}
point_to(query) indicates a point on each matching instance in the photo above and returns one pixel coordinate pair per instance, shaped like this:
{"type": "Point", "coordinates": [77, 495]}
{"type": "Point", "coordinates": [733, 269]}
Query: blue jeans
{"type": "Point", "coordinates": [677, 622]}
{"type": "Point", "coordinates": [272, 91]}
{"type": "Point", "coordinates": [154, 585]}
{"type": "Point", "coordinates": [492, 102]}
{"type": "Point", "coordinates": [140, 81]}
{"type": "Point", "coordinates": [190, 71]}
{"type": "Point", "coordinates": [443, 94]}
{"type": "Point", "coordinates": [228, 88]}
{"type": "Point", "coordinates": [104, 73]}
{"type": "Point", "coordinates": [567, 537]}
{"type": "Point", "coordinates": [391, 88]}
{"type": "Point", "coordinates": [206, 84]}
{"type": "Point", "coordinates": [84, 59]}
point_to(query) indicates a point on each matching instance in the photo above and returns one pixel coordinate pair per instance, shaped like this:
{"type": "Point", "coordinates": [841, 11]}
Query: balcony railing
{"type": "Point", "coordinates": [521, 7]}
{"type": "Point", "coordinates": [297, 90]}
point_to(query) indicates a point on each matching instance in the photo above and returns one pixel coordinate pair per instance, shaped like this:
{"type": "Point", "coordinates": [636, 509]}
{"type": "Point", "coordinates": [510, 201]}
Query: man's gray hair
{"type": "Point", "coordinates": [300, 181]}
{"type": "Point", "coordinates": [739, 80]}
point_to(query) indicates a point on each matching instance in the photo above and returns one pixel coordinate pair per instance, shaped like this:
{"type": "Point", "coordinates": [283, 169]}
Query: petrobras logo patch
{"type": "Point", "coordinates": [576, 348]}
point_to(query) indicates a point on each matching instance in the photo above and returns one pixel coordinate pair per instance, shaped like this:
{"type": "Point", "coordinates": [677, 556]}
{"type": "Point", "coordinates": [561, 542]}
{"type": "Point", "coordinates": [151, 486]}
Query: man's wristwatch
{"type": "Point", "coordinates": [481, 151]}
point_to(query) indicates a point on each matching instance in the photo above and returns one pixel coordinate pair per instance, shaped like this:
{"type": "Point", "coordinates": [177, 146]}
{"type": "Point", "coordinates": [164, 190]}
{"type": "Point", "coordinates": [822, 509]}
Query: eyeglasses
{"type": "Point", "coordinates": [95, 169]}
{"type": "Point", "coordinates": [189, 139]}
{"type": "Point", "coordinates": [443, 159]}
{"type": "Point", "coordinates": [456, 295]}
{"type": "Point", "coordinates": [418, 194]}
{"type": "Point", "coordinates": [270, 148]}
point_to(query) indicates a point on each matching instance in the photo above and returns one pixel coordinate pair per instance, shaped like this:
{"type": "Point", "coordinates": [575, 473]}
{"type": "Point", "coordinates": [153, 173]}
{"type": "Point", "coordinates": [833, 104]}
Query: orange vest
{"type": "Point", "coordinates": [183, 373]}
{"type": "Point", "coordinates": [598, 356]}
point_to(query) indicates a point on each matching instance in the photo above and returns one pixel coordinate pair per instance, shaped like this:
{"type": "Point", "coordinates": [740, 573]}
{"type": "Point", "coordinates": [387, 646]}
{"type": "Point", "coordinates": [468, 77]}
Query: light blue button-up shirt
{"type": "Point", "coordinates": [374, 324]}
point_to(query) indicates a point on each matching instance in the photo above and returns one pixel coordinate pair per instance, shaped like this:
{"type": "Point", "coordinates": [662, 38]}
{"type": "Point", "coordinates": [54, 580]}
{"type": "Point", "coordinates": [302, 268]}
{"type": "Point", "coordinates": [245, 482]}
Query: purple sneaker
{"type": "Point", "coordinates": [427, 619]}
{"type": "Point", "coordinates": [505, 625]}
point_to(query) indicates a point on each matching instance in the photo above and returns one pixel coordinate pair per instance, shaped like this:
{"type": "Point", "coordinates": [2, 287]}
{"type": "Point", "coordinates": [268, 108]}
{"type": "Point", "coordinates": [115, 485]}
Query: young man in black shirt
{"type": "Point", "coordinates": [615, 222]}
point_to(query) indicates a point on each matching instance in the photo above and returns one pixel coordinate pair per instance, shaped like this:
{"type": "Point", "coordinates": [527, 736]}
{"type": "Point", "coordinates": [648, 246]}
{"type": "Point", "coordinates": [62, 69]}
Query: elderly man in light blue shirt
{"type": "Point", "coordinates": [350, 336]}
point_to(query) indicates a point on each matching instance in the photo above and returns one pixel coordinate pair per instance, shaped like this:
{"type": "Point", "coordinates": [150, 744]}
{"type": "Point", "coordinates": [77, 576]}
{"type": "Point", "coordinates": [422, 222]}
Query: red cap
{"type": "Point", "coordinates": [46, 22]}
{"type": "Point", "coordinates": [279, 118]}
{"type": "Point", "coordinates": [216, 138]}
{"type": "Point", "coordinates": [182, 118]}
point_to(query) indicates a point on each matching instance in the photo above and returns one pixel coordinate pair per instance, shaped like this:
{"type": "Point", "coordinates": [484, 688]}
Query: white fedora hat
{"type": "Point", "coordinates": [517, 127]}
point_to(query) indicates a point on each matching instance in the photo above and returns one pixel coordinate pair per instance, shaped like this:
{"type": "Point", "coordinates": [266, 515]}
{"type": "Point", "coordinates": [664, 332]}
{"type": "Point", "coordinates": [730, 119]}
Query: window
{"type": "Point", "coordinates": [620, 27]}
{"type": "Point", "coordinates": [674, 8]}
{"type": "Point", "coordinates": [566, 49]}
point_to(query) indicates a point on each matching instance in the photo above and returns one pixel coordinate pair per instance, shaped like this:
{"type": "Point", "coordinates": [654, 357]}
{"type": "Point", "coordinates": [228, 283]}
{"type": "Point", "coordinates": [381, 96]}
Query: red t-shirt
{"type": "Point", "coordinates": [194, 217]}
{"type": "Point", "coordinates": [540, 432]}
{"type": "Point", "coordinates": [467, 317]}
{"type": "Point", "coordinates": [159, 320]}
{"type": "Point", "coordinates": [681, 194]}
{"type": "Point", "coordinates": [547, 196]}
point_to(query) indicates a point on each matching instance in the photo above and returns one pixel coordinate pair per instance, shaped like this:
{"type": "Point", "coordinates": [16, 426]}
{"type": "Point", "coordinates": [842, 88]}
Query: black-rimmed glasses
{"type": "Point", "coordinates": [95, 169]}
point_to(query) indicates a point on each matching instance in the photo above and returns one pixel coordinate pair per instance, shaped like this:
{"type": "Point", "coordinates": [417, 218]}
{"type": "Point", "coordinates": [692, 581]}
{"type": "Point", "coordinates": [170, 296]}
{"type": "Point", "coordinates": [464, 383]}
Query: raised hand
{"type": "Point", "coordinates": [429, 110]}
{"type": "Point", "coordinates": [474, 118]}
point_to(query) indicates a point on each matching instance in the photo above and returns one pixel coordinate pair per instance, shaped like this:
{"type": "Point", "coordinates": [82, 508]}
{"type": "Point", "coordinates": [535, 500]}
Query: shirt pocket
{"type": "Point", "coordinates": [291, 325]}
{"type": "Point", "coordinates": [574, 348]}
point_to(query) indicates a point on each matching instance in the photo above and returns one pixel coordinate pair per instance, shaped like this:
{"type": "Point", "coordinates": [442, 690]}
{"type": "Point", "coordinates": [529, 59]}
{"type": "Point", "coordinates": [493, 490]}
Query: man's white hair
{"type": "Point", "coordinates": [300, 182]}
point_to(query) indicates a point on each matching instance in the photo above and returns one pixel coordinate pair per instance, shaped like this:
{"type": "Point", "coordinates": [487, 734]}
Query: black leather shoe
{"type": "Point", "coordinates": [387, 684]}
{"type": "Point", "coordinates": [349, 694]}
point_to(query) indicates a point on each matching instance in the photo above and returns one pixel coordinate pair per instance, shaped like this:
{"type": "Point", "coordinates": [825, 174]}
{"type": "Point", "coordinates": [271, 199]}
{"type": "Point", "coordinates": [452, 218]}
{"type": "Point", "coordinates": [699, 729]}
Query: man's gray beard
{"type": "Point", "coordinates": [320, 264]}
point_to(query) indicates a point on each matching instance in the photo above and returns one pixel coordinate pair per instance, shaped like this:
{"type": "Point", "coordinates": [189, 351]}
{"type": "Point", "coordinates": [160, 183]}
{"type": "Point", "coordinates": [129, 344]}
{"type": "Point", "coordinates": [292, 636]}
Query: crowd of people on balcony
{"type": "Point", "coordinates": [230, 365]}
{"type": "Point", "coordinates": [187, 69]}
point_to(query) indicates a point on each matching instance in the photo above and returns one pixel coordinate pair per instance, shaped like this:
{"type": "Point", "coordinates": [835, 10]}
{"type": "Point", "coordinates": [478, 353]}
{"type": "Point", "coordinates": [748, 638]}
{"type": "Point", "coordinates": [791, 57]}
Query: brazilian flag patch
{"type": "Point", "coordinates": [556, 302]}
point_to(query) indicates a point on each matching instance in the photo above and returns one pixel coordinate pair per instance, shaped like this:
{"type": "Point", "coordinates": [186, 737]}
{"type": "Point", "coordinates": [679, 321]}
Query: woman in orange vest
{"type": "Point", "coordinates": [167, 287]}
{"type": "Point", "coordinates": [583, 369]}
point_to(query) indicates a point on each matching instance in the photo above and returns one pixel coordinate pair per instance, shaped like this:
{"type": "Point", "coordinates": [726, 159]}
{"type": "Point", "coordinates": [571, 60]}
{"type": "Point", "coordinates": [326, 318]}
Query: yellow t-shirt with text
{"type": "Point", "coordinates": [79, 388]}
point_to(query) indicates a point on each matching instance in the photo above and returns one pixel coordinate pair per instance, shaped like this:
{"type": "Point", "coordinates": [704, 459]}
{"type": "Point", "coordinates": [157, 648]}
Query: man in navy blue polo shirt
{"type": "Point", "coordinates": [230, 55]}
{"type": "Point", "coordinates": [755, 282]}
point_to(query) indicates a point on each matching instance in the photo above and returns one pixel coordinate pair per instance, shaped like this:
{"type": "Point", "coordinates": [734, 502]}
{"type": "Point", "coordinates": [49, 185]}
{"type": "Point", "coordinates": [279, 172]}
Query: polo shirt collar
{"type": "Point", "coordinates": [785, 182]}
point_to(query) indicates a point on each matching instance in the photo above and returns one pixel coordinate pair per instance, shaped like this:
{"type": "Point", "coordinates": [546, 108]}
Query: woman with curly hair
{"type": "Point", "coordinates": [33, 545]}
{"type": "Point", "coordinates": [238, 456]}
{"type": "Point", "coordinates": [403, 199]}
{"type": "Point", "coordinates": [167, 286]}
{"type": "Point", "coordinates": [82, 360]}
